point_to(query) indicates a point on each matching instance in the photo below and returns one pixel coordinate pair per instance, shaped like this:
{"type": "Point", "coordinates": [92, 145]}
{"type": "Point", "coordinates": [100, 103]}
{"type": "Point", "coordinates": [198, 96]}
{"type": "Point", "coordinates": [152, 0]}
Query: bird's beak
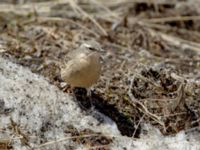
{"type": "Point", "coordinates": [101, 59]}
{"type": "Point", "coordinates": [101, 51]}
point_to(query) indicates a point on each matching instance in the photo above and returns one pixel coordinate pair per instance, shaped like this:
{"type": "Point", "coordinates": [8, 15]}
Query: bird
{"type": "Point", "coordinates": [82, 66]}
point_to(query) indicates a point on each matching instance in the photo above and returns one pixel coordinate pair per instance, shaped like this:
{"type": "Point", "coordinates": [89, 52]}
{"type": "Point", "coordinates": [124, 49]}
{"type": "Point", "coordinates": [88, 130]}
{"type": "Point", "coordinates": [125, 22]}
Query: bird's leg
{"type": "Point", "coordinates": [81, 97]}
{"type": "Point", "coordinates": [89, 92]}
{"type": "Point", "coordinates": [89, 95]}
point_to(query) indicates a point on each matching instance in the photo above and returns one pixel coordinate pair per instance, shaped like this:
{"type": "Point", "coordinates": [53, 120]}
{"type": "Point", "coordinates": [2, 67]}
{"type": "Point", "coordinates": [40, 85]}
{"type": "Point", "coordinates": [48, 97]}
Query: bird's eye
{"type": "Point", "coordinates": [92, 48]}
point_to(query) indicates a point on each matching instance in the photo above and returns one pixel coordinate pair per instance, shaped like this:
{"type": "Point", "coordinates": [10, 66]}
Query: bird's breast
{"type": "Point", "coordinates": [82, 72]}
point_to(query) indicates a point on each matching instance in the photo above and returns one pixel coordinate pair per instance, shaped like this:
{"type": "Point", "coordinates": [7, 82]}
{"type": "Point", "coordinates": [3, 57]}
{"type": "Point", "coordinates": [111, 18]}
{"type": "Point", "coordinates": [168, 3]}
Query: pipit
{"type": "Point", "coordinates": [83, 66]}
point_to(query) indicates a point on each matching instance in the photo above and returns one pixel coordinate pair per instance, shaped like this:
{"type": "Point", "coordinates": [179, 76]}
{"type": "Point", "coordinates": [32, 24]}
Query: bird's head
{"type": "Point", "coordinates": [92, 46]}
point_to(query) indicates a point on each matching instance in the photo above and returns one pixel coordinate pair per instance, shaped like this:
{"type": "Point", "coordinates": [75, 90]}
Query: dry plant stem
{"type": "Point", "coordinates": [155, 5]}
{"type": "Point", "coordinates": [176, 41]}
{"type": "Point", "coordinates": [169, 19]}
{"type": "Point", "coordinates": [44, 6]}
{"type": "Point", "coordinates": [172, 115]}
{"type": "Point", "coordinates": [113, 14]}
{"type": "Point", "coordinates": [179, 98]}
{"type": "Point", "coordinates": [122, 65]}
{"type": "Point", "coordinates": [76, 7]}
{"type": "Point", "coordinates": [108, 82]}
{"type": "Point", "coordinates": [98, 147]}
{"type": "Point", "coordinates": [28, 7]}
{"type": "Point", "coordinates": [154, 25]}
{"type": "Point", "coordinates": [64, 139]}
{"type": "Point", "coordinates": [144, 109]}
{"type": "Point", "coordinates": [65, 20]}
{"type": "Point", "coordinates": [148, 80]}
{"type": "Point", "coordinates": [3, 131]}
{"type": "Point", "coordinates": [90, 135]}
{"type": "Point", "coordinates": [68, 138]}
{"type": "Point", "coordinates": [157, 99]}
{"type": "Point", "coordinates": [121, 2]}
{"type": "Point", "coordinates": [141, 119]}
{"type": "Point", "coordinates": [166, 27]}
{"type": "Point", "coordinates": [25, 139]}
{"type": "Point", "coordinates": [80, 136]}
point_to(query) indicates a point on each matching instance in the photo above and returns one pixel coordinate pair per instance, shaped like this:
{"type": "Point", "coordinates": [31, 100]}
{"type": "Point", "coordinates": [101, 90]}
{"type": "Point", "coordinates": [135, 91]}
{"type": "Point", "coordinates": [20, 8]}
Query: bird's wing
{"type": "Point", "coordinates": [74, 66]}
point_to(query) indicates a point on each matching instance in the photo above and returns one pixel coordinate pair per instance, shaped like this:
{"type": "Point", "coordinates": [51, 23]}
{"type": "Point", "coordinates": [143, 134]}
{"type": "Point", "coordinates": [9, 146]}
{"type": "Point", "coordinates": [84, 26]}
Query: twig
{"type": "Point", "coordinates": [25, 138]}
{"type": "Point", "coordinates": [178, 42]}
{"type": "Point", "coordinates": [57, 19]}
{"type": "Point", "coordinates": [106, 9]}
{"type": "Point", "coordinates": [141, 119]}
{"type": "Point", "coordinates": [75, 6]}
{"type": "Point", "coordinates": [98, 147]}
{"type": "Point", "coordinates": [166, 28]}
{"type": "Point", "coordinates": [145, 110]}
{"type": "Point", "coordinates": [121, 2]}
{"type": "Point", "coordinates": [146, 79]}
{"type": "Point", "coordinates": [169, 19]}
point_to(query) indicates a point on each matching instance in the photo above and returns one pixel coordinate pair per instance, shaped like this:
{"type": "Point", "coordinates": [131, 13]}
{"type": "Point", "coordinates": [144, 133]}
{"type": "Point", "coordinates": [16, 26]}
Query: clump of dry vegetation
{"type": "Point", "coordinates": [151, 72]}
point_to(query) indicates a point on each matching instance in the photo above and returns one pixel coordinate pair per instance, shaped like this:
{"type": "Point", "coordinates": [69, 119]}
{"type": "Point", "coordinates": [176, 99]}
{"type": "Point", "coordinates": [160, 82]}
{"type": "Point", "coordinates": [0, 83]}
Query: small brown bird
{"type": "Point", "coordinates": [83, 67]}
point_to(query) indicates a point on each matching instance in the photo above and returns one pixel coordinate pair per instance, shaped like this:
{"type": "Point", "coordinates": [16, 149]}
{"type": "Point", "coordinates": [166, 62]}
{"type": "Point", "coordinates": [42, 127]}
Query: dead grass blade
{"type": "Point", "coordinates": [75, 6]}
